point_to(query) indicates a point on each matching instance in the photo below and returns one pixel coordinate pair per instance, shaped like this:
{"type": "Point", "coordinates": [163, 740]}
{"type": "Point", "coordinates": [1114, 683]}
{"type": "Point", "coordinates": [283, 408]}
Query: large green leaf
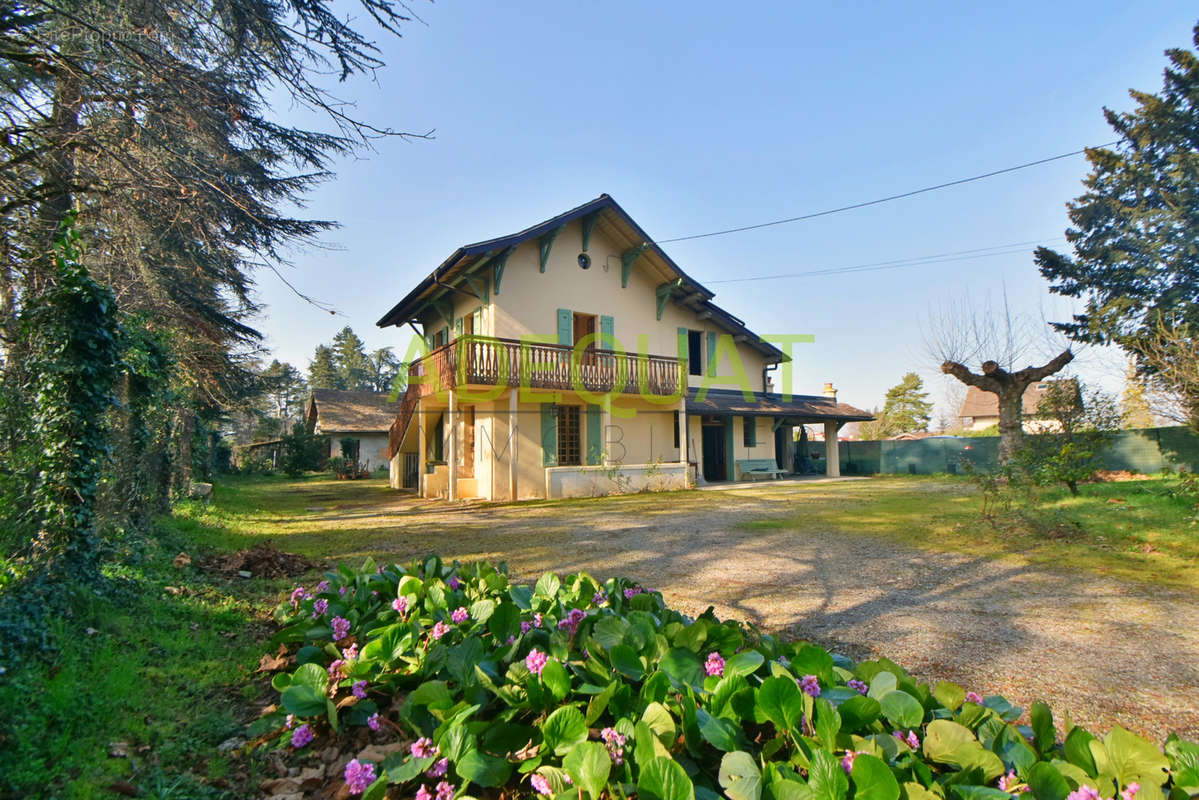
{"type": "Point", "coordinates": [948, 742]}
{"type": "Point", "coordinates": [626, 661]}
{"type": "Point", "coordinates": [313, 676]}
{"type": "Point", "coordinates": [547, 585]}
{"type": "Point", "coordinates": [903, 710]}
{"type": "Point", "coordinates": [563, 729]}
{"type": "Point", "coordinates": [873, 779]}
{"type": "Point", "coordinates": [1043, 732]}
{"type": "Point", "coordinates": [588, 764]}
{"type": "Point", "coordinates": [719, 732]}
{"type": "Point", "coordinates": [610, 630]}
{"type": "Point", "coordinates": [740, 777]}
{"type": "Point", "coordinates": [826, 778]}
{"type": "Point", "coordinates": [780, 701]}
{"type": "Point", "coordinates": [661, 722]}
{"type": "Point", "coordinates": [949, 695]}
{"type": "Point", "coordinates": [857, 712]}
{"type": "Point", "coordinates": [555, 678]}
{"type": "Point", "coordinates": [684, 668]}
{"type": "Point", "coordinates": [828, 723]}
{"type": "Point", "coordinates": [663, 778]}
{"type": "Point", "coordinates": [744, 663]}
{"type": "Point", "coordinates": [303, 701]}
{"type": "Point", "coordinates": [1046, 782]}
{"type": "Point", "coordinates": [504, 622]}
{"type": "Point", "coordinates": [1135, 760]}
{"type": "Point", "coordinates": [1078, 750]}
{"type": "Point", "coordinates": [485, 770]}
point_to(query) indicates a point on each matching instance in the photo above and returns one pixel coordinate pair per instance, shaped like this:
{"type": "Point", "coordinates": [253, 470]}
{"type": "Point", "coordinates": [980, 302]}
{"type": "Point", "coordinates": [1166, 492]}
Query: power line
{"type": "Point", "coordinates": [880, 200]}
{"type": "Point", "coordinates": [934, 258]}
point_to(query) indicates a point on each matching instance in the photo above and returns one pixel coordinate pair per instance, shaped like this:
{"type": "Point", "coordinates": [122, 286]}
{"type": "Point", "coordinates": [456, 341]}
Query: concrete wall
{"type": "Point", "coordinates": [599, 481]}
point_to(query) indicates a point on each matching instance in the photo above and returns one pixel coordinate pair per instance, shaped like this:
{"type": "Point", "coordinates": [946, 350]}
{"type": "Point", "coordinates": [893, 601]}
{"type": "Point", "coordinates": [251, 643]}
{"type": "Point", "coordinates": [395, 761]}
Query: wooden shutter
{"type": "Point", "coordinates": [595, 431]}
{"type": "Point", "coordinates": [458, 327]}
{"type": "Point", "coordinates": [566, 332]}
{"type": "Point", "coordinates": [684, 350]}
{"type": "Point", "coordinates": [712, 353]}
{"type": "Point", "coordinates": [549, 436]}
{"type": "Point", "coordinates": [607, 333]}
{"type": "Point", "coordinates": [751, 431]}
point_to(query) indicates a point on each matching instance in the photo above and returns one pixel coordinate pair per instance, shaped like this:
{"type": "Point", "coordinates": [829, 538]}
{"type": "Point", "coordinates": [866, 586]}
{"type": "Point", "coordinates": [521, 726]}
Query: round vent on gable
{"type": "Point", "coordinates": [584, 261]}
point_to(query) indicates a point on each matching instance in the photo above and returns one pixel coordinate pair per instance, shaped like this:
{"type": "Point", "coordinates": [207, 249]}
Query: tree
{"type": "Point", "coordinates": [322, 372]}
{"type": "Point", "coordinates": [999, 339]}
{"type": "Point", "coordinates": [350, 360]}
{"type": "Point", "coordinates": [285, 390]}
{"type": "Point", "coordinates": [1084, 429]}
{"type": "Point", "coordinates": [906, 408]}
{"type": "Point", "coordinates": [1133, 236]}
{"type": "Point", "coordinates": [1134, 405]}
{"type": "Point", "coordinates": [383, 370]}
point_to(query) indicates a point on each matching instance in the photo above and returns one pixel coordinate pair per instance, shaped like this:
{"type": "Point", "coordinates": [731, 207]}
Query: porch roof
{"type": "Point", "coordinates": [802, 408]}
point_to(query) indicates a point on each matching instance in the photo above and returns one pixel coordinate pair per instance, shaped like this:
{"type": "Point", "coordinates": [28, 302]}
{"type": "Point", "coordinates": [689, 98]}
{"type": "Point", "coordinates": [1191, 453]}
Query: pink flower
{"type": "Point", "coordinates": [714, 665]}
{"type": "Point", "coordinates": [847, 762]}
{"type": "Point", "coordinates": [540, 784]}
{"type": "Point", "coordinates": [319, 607]}
{"type": "Point", "coordinates": [445, 791]}
{"type": "Point", "coordinates": [359, 775]}
{"type": "Point", "coordinates": [439, 630]}
{"type": "Point", "coordinates": [321, 587]}
{"type": "Point", "coordinates": [974, 697]}
{"type": "Point", "coordinates": [423, 793]}
{"type": "Point", "coordinates": [297, 594]}
{"type": "Point", "coordinates": [400, 604]}
{"type": "Point", "coordinates": [525, 626]}
{"type": "Point", "coordinates": [858, 686]}
{"type": "Point", "coordinates": [913, 740]}
{"type": "Point", "coordinates": [811, 685]}
{"type": "Point", "coordinates": [536, 661]}
{"type": "Point", "coordinates": [615, 743]}
{"type": "Point", "coordinates": [342, 591]}
{"type": "Point", "coordinates": [632, 592]}
{"type": "Point", "coordinates": [1011, 783]}
{"type": "Point", "coordinates": [460, 615]}
{"type": "Point", "coordinates": [335, 668]}
{"type": "Point", "coordinates": [454, 583]}
{"type": "Point", "coordinates": [1130, 791]}
{"type": "Point", "coordinates": [438, 769]}
{"type": "Point", "coordinates": [572, 620]}
{"type": "Point", "coordinates": [423, 748]}
{"type": "Point", "coordinates": [359, 689]}
{"type": "Point", "coordinates": [537, 619]}
{"type": "Point", "coordinates": [1084, 793]}
{"type": "Point", "coordinates": [372, 722]}
{"type": "Point", "coordinates": [350, 653]}
{"type": "Point", "coordinates": [302, 736]}
{"type": "Point", "coordinates": [341, 628]}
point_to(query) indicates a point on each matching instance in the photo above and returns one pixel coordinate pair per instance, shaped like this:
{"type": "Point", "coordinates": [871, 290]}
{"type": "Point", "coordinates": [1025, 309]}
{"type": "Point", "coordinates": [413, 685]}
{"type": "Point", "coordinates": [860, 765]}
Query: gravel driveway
{"type": "Point", "coordinates": [1101, 651]}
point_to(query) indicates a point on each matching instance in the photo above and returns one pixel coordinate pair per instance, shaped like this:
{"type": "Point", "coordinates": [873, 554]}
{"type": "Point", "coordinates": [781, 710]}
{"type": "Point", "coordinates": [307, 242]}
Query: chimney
{"type": "Point", "coordinates": [830, 392]}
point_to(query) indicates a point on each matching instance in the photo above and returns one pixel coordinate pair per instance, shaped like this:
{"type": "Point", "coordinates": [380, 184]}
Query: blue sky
{"type": "Point", "coordinates": [702, 116]}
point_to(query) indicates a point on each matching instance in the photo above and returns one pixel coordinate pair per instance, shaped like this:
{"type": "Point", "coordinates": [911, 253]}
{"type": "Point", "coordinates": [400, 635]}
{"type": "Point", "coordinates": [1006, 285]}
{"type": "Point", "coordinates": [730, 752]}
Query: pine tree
{"type": "Point", "coordinates": [907, 408]}
{"type": "Point", "coordinates": [322, 372]}
{"type": "Point", "coordinates": [1134, 230]}
{"type": "Point", "coordinates": [351, 362]}
{"type": "Point", "coordinates": [385, 368]}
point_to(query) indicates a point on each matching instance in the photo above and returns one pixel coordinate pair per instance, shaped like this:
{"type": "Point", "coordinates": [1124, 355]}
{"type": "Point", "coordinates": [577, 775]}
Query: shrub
{"type": "Point", "coordinates": [301, 451]}
{"type": "Point", "coordinates": [574, 688]}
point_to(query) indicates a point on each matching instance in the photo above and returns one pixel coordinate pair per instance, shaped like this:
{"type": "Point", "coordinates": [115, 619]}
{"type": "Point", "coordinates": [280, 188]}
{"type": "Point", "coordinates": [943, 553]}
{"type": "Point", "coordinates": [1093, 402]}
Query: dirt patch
{"type": "Point", "coordinates": [1118, 476]}
{"type": "Point", "coordinates": [261, 561]}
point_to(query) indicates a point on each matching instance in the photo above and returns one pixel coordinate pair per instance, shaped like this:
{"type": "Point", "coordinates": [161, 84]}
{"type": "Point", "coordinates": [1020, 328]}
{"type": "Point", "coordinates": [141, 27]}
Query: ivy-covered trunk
{"type": "Point", "coordinates": [72, 330]}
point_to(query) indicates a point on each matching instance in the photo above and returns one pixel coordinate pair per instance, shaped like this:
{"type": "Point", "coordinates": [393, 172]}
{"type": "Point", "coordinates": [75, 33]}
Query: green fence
{"type": "Point", "coordinates": [1147, 451]}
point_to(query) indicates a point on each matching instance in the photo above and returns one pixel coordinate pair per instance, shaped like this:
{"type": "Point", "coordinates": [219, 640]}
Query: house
{"type": "Point", "coordinates": [577, 358]}
{"type": "Point", "coordinates": [361, 417]}
{"type": "Point", "coordinates": [980, 410]}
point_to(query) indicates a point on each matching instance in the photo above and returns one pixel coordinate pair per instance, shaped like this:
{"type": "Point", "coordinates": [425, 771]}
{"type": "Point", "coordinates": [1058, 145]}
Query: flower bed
{"type": "Point", "coordinates": [582, 689]}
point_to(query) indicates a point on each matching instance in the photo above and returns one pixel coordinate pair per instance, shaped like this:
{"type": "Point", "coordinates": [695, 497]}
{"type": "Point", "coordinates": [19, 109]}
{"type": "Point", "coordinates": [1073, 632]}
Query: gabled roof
{"type": "Point", "coordinates": [689, 293]}
{"type": "Point", "coordinates": [351, 412]}
{"type": "Point", "coordinates": [978, 403]}
{"type": "Point", "coordinates": [805, 408]}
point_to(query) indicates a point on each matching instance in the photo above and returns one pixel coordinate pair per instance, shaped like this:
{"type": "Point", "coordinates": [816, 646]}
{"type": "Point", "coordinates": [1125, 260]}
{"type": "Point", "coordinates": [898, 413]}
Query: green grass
{"type": "Point", "coordinates": [1134, 530]}
{"type": "Point", "coordinates": [165, 676]}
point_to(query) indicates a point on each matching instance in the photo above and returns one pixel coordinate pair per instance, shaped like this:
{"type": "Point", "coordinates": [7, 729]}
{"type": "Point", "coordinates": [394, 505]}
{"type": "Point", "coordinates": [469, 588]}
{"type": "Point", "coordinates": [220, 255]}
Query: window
{"type": "Point", "coordinates": [695, 356]}
{"type": "Point", "coordinates": [749, 426]}
{"type": "Point", "coordinates": [437, 444]}
{"type": "Point", "coordinates": [440, 338]}
{"type": "Point", "coordinates": [676, 429]}
{"type": "Point", "coordinates": [568, 436]}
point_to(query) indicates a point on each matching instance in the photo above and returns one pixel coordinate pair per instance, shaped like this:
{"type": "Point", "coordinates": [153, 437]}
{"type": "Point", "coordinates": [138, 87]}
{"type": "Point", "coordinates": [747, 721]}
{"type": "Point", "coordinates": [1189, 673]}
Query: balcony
{"type": "Point", "coordinates": [489, 361]}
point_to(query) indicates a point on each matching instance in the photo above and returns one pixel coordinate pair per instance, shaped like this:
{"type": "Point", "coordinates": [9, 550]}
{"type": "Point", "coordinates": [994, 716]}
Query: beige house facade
{"type": "Point", "coordinates": [575, 358]}
{"type": "Point", "coordinates": [361, 419]}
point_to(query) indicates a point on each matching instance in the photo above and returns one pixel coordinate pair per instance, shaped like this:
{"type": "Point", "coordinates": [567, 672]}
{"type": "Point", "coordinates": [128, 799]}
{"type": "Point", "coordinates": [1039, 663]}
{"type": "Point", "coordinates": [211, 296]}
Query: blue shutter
{"type": "Point", "coordinates": [712, 353]}
{"type": "Point", "coordinates": [684, 350]}
{"type": "Point", "coordinates": [595, 429]}
{"type": "Point", "coordinates": [458, 327]}
{"type": "Point", "coordinates": [607, 334]}
{"type": "Point", "coordinates": [751, 431]}
{"type": "Point", "coordinates": [566, 332]}
{"type": "Point", "coordinates": [549, 436]}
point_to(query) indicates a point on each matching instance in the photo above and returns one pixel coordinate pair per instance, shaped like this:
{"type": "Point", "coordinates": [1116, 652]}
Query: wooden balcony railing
{"type": "Point", "coordinates": [490, 361]}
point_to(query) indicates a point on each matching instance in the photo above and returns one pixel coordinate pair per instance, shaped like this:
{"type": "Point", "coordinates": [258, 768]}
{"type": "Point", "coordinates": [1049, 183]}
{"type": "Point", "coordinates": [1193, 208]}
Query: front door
{"type": "Point", "coordinates": [714, 452]}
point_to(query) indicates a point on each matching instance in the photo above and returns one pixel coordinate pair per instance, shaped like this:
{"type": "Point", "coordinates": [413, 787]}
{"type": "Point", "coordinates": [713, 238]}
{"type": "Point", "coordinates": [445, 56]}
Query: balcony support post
{"type": "Point", "coordinates": [422, 448]}
{"type": "Point", "coordinates": [451, 425]}
{"type": "Point", "coordinates": [513, 441]}
{"type": "Point", "coordinates": [683, 433]}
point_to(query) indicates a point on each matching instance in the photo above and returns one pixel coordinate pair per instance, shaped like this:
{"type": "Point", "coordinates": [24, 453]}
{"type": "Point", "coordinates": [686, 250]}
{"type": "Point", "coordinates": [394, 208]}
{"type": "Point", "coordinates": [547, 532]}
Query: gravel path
{"type": "Point", "coordinates": [1101, 651]}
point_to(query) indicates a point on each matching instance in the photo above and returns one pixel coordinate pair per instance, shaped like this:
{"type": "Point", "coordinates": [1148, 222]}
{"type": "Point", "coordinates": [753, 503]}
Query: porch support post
{"type": "Point", "coordinates": [683, 433]}
{"type": "Point", "coordinates": [832, 453]}
{"type": "Point", "coordinates": [451, 425]}
{"type": "Point", "coordinates": [606, 454]}
{"type": "Point", "coordinates": [422, 447]}
{"type": "Point", "coordinates": [513, 441]}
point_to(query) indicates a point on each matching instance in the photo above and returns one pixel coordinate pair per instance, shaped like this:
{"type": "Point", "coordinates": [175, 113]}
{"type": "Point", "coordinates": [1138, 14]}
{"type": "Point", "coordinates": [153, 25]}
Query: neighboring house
{"type": "Point", "coordinates": [363, 417]}
{"type": "Point", "coordinates": [576, 358]}
{"type": "Point", "coordinates": [980, 410]}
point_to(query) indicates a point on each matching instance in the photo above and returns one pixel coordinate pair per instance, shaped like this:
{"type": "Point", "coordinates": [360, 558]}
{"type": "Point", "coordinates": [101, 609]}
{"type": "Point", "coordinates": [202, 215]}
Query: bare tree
{"type": "Point", "coordinates": [1170, 353]}
{"type": "Point", "coordinates": [996, 339]}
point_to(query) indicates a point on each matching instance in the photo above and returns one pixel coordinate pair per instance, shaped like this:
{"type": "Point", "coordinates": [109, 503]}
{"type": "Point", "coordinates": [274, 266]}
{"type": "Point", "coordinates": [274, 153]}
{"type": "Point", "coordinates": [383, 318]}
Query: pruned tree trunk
{"type": "Point", "coordinates": [1009, 388]}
